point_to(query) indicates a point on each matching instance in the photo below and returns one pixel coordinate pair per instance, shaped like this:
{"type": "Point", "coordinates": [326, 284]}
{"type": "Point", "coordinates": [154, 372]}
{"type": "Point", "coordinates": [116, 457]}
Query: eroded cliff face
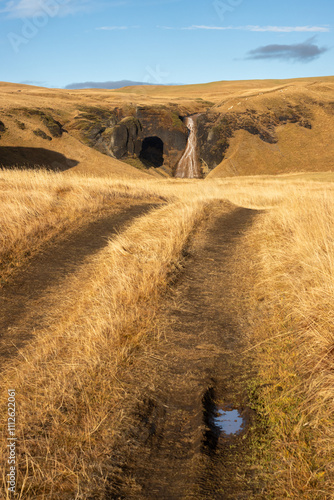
{"type": "Point", "coordinates": [157, 136]}
{"type": "Point", "coordinates": [142, 132]}
{"type": "Point", "coordinates": [281, 130]}
{"type": "Point", "coordinates": [216, 129]}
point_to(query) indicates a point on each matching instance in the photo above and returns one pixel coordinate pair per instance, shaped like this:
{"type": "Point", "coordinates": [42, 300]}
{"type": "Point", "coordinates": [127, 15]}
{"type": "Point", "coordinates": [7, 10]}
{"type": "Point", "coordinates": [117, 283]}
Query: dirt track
{"type": "Point", "coordinates": [173, 449]}
{"type": "Point", "coordinates": [24, 301]}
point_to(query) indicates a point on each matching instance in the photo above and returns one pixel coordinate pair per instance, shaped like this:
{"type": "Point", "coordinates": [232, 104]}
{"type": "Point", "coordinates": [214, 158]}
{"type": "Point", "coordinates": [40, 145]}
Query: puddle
{"type": "Point", "coordinates": [222, 420]}
{"type": "Point", "coordinates": [228, 421]}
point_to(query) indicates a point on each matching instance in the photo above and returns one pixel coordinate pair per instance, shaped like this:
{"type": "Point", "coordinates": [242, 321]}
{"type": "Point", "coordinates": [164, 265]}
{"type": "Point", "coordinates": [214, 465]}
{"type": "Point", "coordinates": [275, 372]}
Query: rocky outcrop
{"type": "Point", "coordinates": [2, 128]}
{"type": "Point", "coordinates": [121, 132]}
{"type": "Point", "coordinates": [91, 122]}
{"type": "Point", "coordinates": [54, 127]}
{"type": "Point", "coordinates": [215, 129]}
{"type": "Point", "coordinates": [122, 139]}
{"type": "Point", "coordinates": [21, 125]}
{"type": "Point", "coordinates": [40, 133]}
{"type": "Point", "coordinates": [168, 126]}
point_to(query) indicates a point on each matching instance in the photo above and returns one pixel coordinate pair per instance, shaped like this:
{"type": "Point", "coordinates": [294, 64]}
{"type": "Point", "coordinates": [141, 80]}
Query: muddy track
{"type": "Point", "coordinates": [176, 449]}
{"type": "Point", "coordinates": [24, 301]}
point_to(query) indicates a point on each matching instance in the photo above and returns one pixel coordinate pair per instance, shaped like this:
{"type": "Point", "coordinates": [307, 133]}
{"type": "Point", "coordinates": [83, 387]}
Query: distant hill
{"type": "Point", "coordinates": [105, 85]}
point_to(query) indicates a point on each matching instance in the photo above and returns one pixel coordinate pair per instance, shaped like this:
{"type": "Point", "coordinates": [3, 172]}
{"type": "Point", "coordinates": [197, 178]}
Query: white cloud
{"type": "Point", "coordinates": [291, 29]}
{"type": "Point", "coordinates": [220, 28]}
{"type": "Point", "coordinates": [22, 8]}
{"type": "Point", "coordinates": [112, 28]}
{"type": "Point", "coordinates": [275, 29]}
{"type": "Point", "coordinates": [52, 8]}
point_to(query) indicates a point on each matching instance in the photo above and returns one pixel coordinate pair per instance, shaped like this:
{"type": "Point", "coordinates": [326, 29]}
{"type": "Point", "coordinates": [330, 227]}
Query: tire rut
{"type": "Point", "coordinates": [176, 454]}
{"type": "Point", "coordinates": [23, 301]}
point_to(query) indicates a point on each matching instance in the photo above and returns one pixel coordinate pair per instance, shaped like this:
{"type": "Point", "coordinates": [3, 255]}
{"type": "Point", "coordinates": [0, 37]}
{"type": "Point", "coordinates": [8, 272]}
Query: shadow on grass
{"type": "Point", "coordinates": [31, 158]}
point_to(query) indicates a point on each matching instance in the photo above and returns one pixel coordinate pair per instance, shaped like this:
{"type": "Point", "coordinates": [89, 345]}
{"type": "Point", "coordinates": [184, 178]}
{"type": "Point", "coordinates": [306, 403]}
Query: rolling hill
{"type": "Point", "coordinates": [244, 128]}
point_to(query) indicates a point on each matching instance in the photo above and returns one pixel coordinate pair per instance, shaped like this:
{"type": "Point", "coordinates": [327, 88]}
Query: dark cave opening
{"type": "Point", "coordinates": [152, 152]}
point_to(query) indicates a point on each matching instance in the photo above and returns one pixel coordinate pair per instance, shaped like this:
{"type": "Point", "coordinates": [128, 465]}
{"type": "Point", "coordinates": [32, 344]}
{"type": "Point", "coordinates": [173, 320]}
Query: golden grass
{"type": "Point", "coordinates": [69, 396]}
{"type": "Point", "coordinates": [293, 325]}
{"type": "Point", "coordinates": [160, 94]}
{"type": "Point", "coordinates": [37, 206]}
{"type": "Point", "coordinates": [67, 380]}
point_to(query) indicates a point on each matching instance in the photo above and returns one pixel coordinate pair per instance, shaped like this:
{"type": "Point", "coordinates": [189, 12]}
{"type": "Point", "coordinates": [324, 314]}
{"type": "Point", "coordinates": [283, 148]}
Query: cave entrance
{"type": "Point", "coordinates": [152, 152]}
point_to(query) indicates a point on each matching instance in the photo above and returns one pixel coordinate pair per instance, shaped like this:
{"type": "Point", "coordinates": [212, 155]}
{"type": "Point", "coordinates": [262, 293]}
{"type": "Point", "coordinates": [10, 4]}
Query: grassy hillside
{"type": "Point", "coordinates": [262, 126]}
{"type": "Point", "coordinates": [303, 131]}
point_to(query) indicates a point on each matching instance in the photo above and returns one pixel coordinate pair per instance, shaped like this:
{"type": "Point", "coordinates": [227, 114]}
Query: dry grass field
{"type": "Point", "coordinates": [291, 318]}
{"type": "Point", "coordinates": [68, 377]}
{"type": "Point", "coordinates": [36, 206]}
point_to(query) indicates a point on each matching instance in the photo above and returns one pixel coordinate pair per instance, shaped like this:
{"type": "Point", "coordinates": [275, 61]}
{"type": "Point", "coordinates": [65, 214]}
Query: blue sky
{"type": "Point", "coordinates": [57, 42]}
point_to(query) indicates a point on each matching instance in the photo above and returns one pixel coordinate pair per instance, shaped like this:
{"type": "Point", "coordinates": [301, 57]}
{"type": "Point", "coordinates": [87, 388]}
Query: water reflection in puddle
{"type": "Point", "coordinates": [228, 421]}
